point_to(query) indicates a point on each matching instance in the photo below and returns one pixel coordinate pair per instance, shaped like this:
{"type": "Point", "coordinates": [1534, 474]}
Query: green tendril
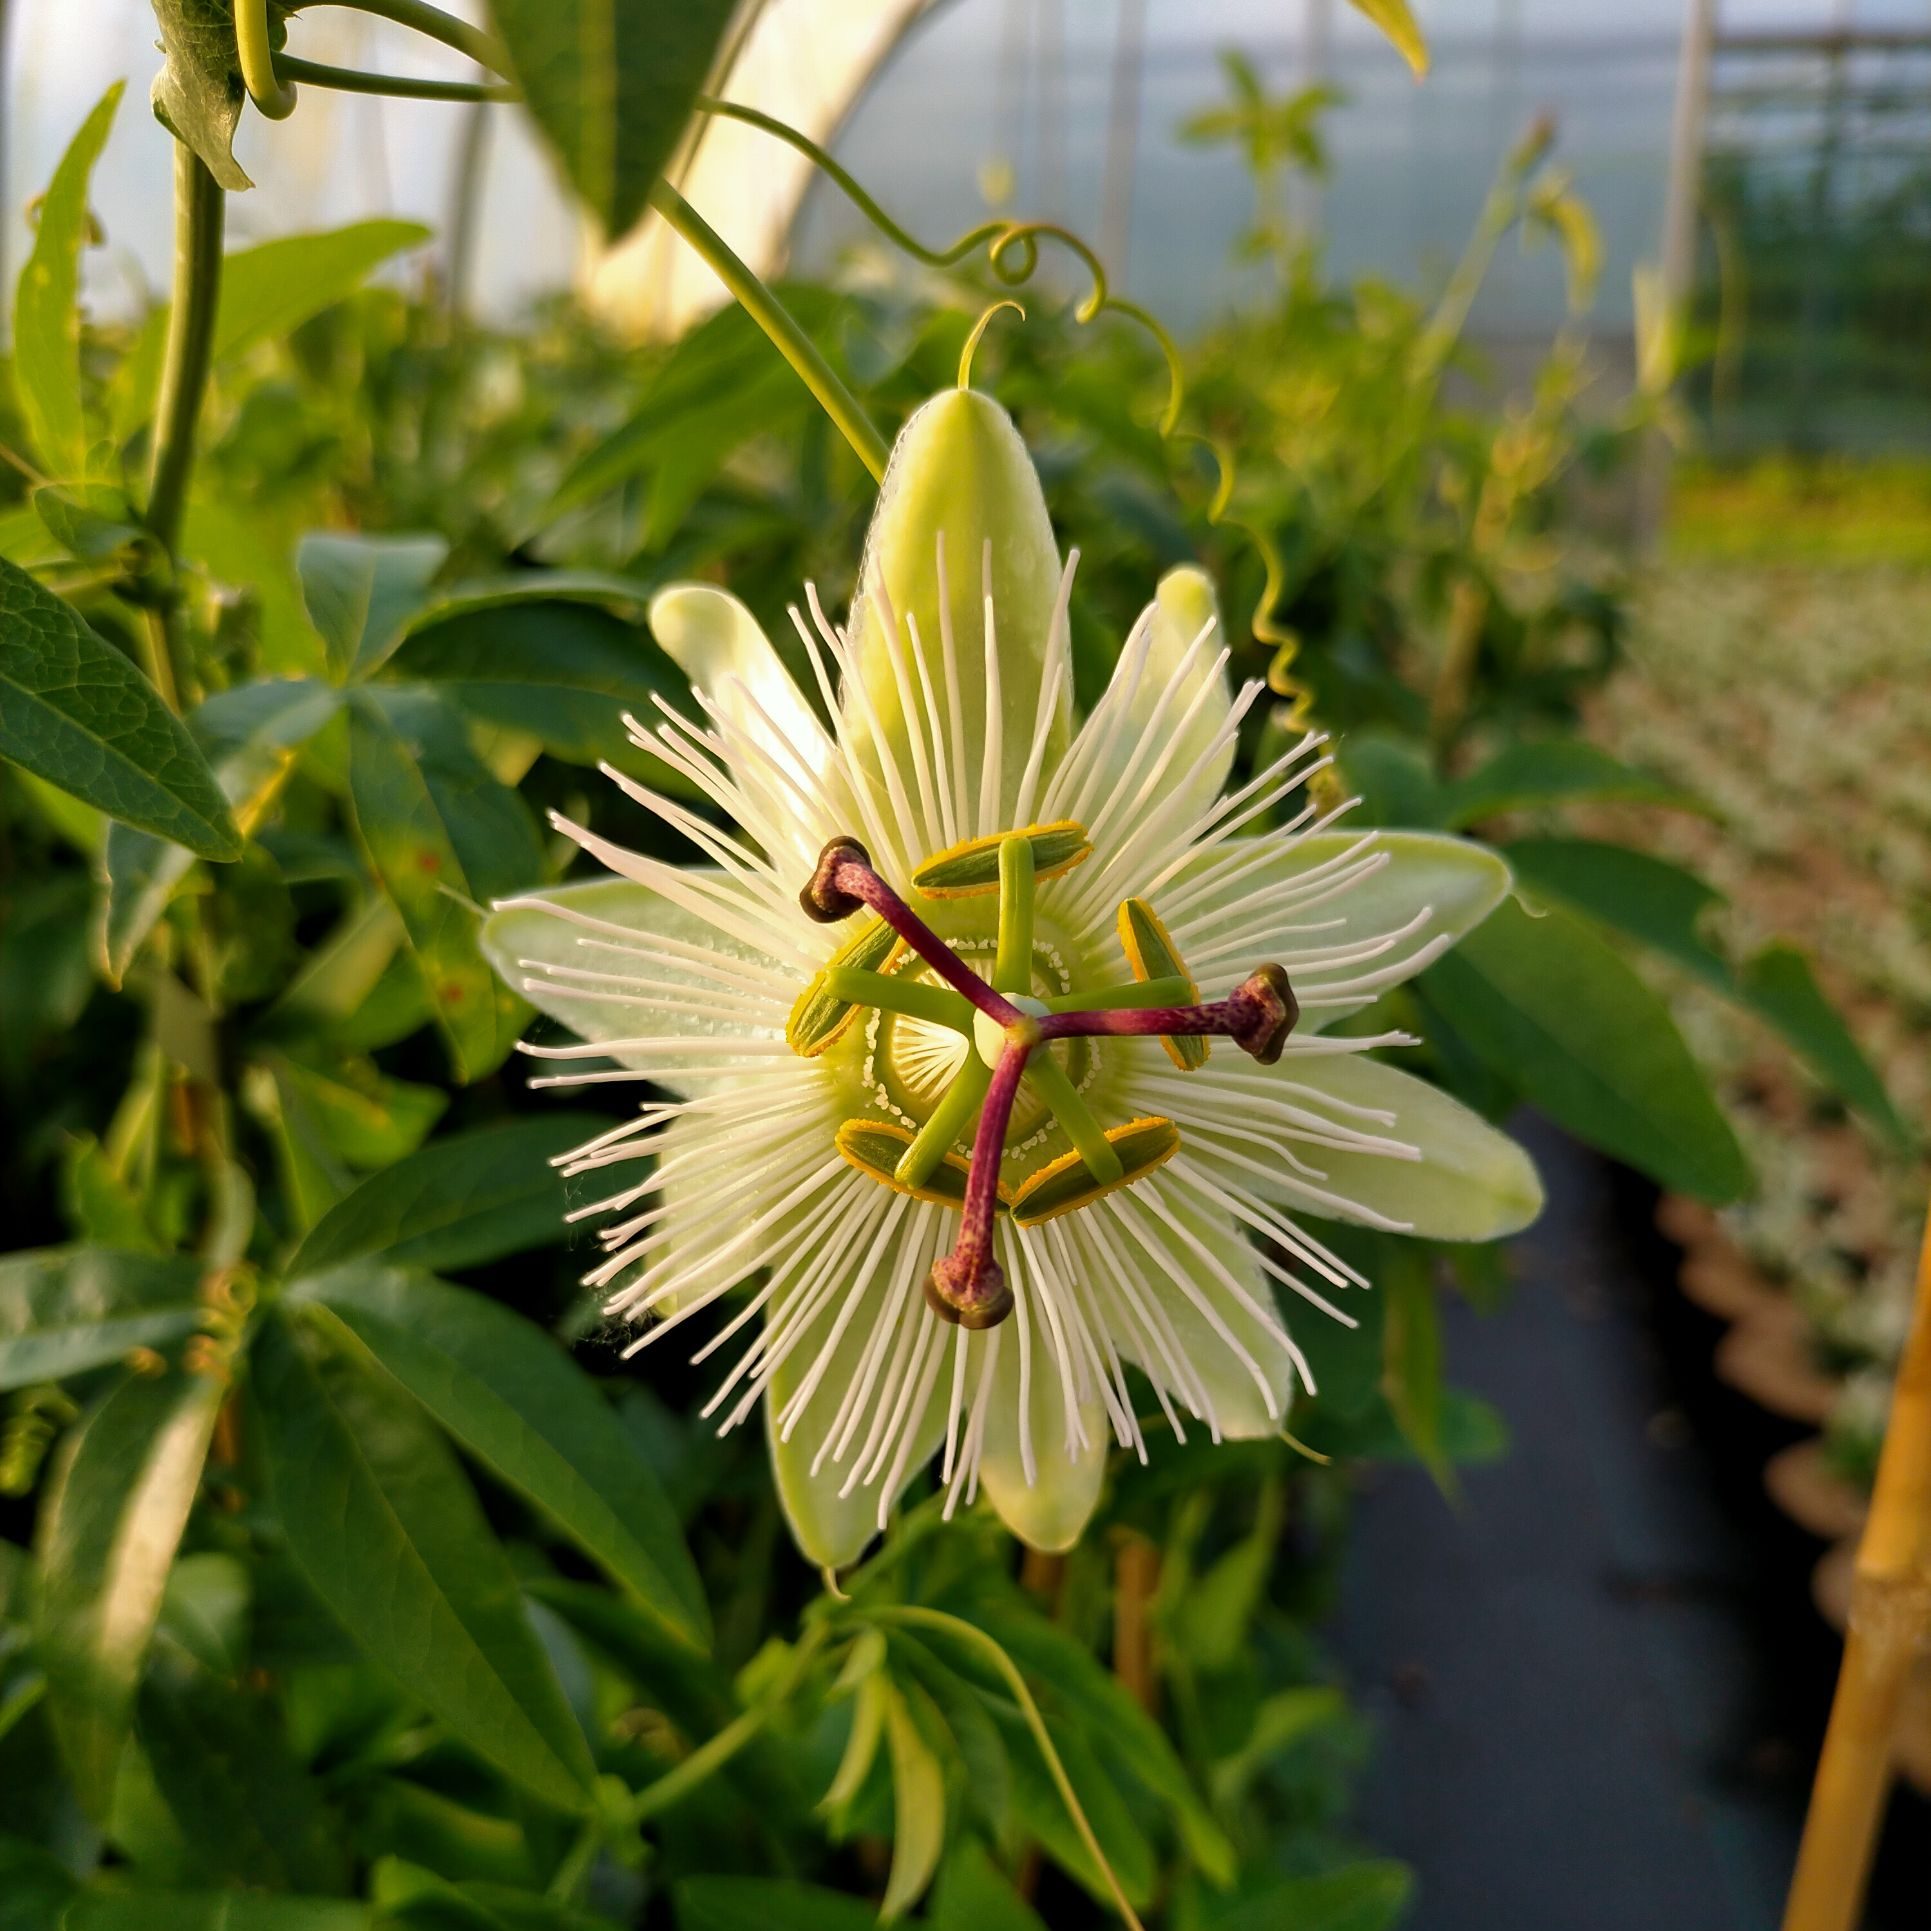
{"type": "Point", "coordinates": [352, 80]}
{"type": "Point", "coordinates": [978, 329]}
{"type": "Point", "coordinates": [272, 98]}
{"type": "Point", "coordinates": [1012, 247]}
{"type": "Point", "coordinates": [994, 1653]}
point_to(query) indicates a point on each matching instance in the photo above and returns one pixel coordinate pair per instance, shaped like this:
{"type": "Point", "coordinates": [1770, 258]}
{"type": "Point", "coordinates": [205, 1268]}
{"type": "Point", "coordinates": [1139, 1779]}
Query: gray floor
{"type": "Point", "coordinates": [1598, 1682]}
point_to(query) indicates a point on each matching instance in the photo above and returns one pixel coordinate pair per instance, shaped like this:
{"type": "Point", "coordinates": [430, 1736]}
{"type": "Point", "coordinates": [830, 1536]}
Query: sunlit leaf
{"type": "Point", "coordinates": [46, 314]}
{"type": "Point", "coordinates": [610, 85]}
{"type": "Point", "coordinates": [198, 93]}
{"type": "Point", "coordinates": [117, 1504]}
{"type": "Point", "coordinates": [1397, 21]}
{"type": "Point", "coordinates": [64, 1310]}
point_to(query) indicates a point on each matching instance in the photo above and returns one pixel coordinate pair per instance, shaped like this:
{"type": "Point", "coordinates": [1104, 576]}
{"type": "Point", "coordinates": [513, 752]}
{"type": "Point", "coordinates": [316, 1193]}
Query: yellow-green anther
{"type": "Point", "coordinates": [1012, 967]}
{"type": "Point", "coordinates": [958, 1107]}
{"type": "Point", "coordinates": [914, 998]}
{"type": "Point", "coordinates": [1138, 992]}
{"type": "Point", "coordinates": [1072, 1112]}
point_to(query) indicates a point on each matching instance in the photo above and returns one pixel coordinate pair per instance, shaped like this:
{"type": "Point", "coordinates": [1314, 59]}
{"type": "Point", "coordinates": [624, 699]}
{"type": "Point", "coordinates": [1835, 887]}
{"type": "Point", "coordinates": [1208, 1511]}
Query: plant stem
{"type": "Point", "coordinates": [402, 87]}
{"type": "Point", "coordinates": [778, 323]}
{"type": "Point", "coordinates": [434, 24]}
{"type": "Point", "coordinates": [1890, 1616]}
{"type": "Point", "coordinates": [199, 210]}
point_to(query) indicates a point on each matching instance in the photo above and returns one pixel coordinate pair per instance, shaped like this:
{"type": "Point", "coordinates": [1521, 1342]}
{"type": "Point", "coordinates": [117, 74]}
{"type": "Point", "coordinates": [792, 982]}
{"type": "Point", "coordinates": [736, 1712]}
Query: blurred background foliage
{"type": "Point", "coordinates": [314, 1531]}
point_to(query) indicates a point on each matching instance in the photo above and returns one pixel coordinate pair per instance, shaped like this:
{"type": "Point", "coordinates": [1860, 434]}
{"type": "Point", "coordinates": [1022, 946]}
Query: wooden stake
{"type": "Point", "coordinates": [1889, 1621]}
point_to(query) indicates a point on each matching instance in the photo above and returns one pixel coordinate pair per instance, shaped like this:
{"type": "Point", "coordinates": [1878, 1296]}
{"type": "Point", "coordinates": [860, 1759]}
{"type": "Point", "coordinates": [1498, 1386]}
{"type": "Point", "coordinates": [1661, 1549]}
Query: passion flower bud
{"type": "Point", "coordinates": [961, 482]}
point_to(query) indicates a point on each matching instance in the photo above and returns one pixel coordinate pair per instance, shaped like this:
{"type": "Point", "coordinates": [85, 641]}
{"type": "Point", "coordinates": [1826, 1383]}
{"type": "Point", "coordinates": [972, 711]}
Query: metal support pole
{"type": "Point", "coordinates": [1680, 203]}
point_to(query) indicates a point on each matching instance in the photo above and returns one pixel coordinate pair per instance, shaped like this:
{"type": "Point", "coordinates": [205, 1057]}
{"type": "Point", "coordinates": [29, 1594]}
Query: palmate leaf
{"type": "Point", "coordinates": [610, 85]}
{"type": "Point", "coordinates": [75, 711]}
{"type": "Point", "coordinates": [113, 1517]}
{"type": "Point", "coordinates": [46, 317]}
{"type": "Point", "coordinates": [388, 1534]}
{"type": "Point", "coordinates": [517, 1402]}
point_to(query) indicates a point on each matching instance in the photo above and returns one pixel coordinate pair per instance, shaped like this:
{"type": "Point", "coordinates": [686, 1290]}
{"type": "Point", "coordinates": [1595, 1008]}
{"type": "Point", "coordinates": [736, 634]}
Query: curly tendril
{"type": "Point", "coordinates": [978, 329]}
{"type": "Point", "coordinates": [1011, 247]}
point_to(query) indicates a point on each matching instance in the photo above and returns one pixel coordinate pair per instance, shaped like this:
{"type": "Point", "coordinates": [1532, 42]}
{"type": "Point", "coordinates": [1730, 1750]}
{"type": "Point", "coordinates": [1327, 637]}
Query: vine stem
{"type": "Point", "coordinates": [779, 324]}
{"type": "Point", "coordinates": [199, 213]}
{"type": "Point", "coordinates": [962, 1631]}
{"type": "Point", "coordinates": [1890, 1617]}
{"type": "Point", "coordinates": [434, 24]}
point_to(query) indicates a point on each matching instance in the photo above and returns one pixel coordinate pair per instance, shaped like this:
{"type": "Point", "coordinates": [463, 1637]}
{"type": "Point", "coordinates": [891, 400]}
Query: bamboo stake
{"type": "Point", "coordinates": [1890, 1619]}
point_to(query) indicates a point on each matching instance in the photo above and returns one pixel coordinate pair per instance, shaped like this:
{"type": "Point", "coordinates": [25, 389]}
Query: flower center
{"type": "Point", "coordinates": [1005, 1041]}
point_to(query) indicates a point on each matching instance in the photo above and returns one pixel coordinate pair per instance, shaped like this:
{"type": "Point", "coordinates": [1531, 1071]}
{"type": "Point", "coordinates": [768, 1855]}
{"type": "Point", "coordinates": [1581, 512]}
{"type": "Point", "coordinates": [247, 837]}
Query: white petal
{"type": "Point", "coordinates": [1347, 913]}
{"type": "Point", "coordinates": [1237, 1370]}
{"type": "Point", "coordinates": [1470, 1183]}
{"type": "Point", "coordinates": [1044, 1486]}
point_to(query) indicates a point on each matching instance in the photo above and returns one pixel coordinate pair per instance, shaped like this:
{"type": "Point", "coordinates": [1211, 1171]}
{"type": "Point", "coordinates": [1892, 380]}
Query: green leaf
{"type": "Point", "coordinates": [1555, 771]}
{"type": "Point", "coordinates": [266, 292]}
{"type": "Point", "coordinates": [517, 1402]}
{"type": "Point", "coordinates": [1664, 906]}
{"type": "Point", "coordinates": [34, 1887]}
{"type": "Point", "coordinates": [64, 1310]}
{"type": "Point", "coordinates": [1064, 1673]}
{"type": "Point", "coordinates": [462, 1200]}
{"type": "Point", "coordinates": [1361, 1897]}
{"type": "Point", "coordinates": [610, 85]}
{"type": "Point", "coordinates": [95, 522]}
{"type": "Point", "coordinates": [1547, 1005]}
{"type": "Point", "coordinates": [142, 872]}
{"type": "Point", "coordinates": [389, 1535]}
{"type": "Point", "coordinates": [366, 1119]}
{"type": "Point", "coordinates": [212, 1911]}
{"type": "Point", "coordinates": [1411, 1342]}
{"type": "Point", "coordinates": [217, 1753]}
{"type": "Point", "coordinates": [563, 669]}
{"type": "Point", "coordinates": [1779, 985]}
{"type": "Point", "coordinates": [766, 1904]}
{"type": "Point", "coordinates": [974, 1896]}
{"type": "Point", "coordinates": [1395, 20]}
{"type": "Point", "coordinates": [918, 1809]}
{"type": "Point", "coordinates": [1649, 898]}
{"type": "Point", "coordinates": [116, 1506]}
{"type": "Point", "coordinates": [361, 592]}
{"type": "Point", "coordinates": [444, 838]}
{"type": "Point", "coordinates": [198, 93]}
{"type": "Point", "coordinates": [717, 386]}
{"type": "Point", "coordinates": [46, 312]}
{"type": "Point", "coordinates": [76, 712]}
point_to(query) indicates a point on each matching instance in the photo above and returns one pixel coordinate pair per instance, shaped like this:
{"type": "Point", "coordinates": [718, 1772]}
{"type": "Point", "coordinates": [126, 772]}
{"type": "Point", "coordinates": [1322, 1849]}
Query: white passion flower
{"type": "Point", "coordinates": [990, 1039]}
